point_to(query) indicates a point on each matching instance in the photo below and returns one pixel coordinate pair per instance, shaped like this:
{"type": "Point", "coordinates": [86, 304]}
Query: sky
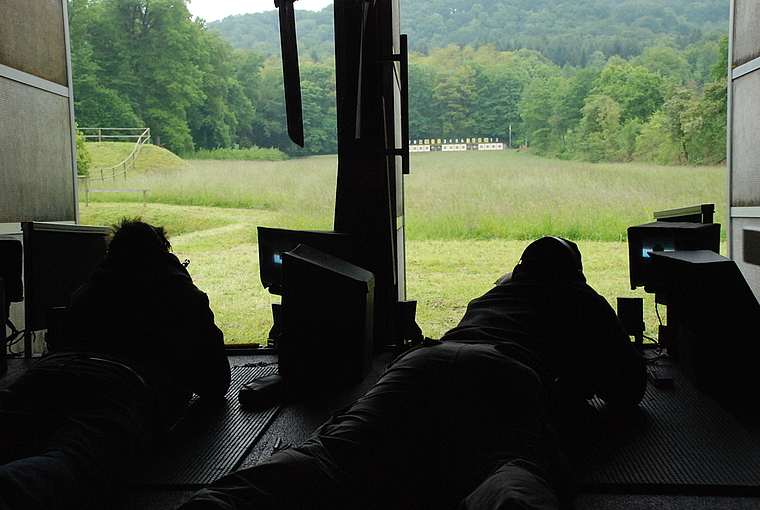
{"type": "Point", "coordinates": [212, 10]}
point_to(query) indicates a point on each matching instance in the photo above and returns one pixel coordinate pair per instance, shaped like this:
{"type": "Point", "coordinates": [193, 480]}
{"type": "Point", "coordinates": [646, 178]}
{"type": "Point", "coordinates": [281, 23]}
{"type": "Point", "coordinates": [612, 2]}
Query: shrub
{"type": "Point", "coordinates": [250, 154]}
{"type": "Point", "coordinates": [84, 160]}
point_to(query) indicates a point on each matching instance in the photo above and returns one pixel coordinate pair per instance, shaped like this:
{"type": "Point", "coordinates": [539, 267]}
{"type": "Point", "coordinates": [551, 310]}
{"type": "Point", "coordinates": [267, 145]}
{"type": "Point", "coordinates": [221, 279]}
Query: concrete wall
{"type": "Point", "coordinates": [744, 132]}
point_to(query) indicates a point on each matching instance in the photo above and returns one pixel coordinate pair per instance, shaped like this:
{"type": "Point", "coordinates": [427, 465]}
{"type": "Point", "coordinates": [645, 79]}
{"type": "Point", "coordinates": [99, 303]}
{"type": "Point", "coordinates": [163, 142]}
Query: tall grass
{"type": "Point", "coordinates": [301, 191]}
{"type": "Point", "coordinates": [511, 195]}
{"type": "Point", "coordinates": [464, 195]}
{"type": "Point", "coordinates": [468, 217]}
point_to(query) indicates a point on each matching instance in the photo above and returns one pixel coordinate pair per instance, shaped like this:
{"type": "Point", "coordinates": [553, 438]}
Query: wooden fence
{"type": "Point", "coordinates": [111, 172]}
{"type": "Point", "coordinates": [141, 136]}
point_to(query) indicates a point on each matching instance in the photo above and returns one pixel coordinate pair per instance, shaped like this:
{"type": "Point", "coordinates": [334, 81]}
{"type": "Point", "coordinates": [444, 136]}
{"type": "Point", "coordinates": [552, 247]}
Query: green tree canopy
{"type": "Point", "coordinates": [637, 90]}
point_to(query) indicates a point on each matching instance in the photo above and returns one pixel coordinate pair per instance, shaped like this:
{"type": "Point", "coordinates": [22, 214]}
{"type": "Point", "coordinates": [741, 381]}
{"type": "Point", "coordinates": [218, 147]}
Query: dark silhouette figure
{"type": "Point", "coordinates": [137, 340]}
{"type": "Point", "coordinates": [472, 421]}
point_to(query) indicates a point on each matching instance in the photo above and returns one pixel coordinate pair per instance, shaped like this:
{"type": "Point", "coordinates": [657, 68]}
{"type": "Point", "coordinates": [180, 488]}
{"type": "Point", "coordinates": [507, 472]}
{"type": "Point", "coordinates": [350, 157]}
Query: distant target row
{"type": "Point", "coordinates": [464, 144]}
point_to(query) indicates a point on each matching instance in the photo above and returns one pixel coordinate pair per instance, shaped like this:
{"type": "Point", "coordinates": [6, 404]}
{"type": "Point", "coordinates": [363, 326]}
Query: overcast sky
{"type": "Point", "coordinates": [212, 10]}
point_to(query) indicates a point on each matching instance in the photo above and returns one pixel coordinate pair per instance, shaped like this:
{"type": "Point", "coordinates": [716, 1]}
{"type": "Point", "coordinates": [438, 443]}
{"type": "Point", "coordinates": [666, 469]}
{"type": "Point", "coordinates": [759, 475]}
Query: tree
{"type": "Point", "coordinates": [634, 88]}
{"type": "Point", "coordinates": [95, 104]}
{"type": "Point", "coordinates": [453, 98]}
{"type": "Point", "coordinates": [497, 93]}
{"type": "Point", "coordinates": [552, 108]}
{"type": "Point", "coordinates": [702, 56]}
{"type": "Point", "coordinates": [421, 120]}
{"type": "Point", "coordinates": [147, 63]}
{"type": "Point", "coordinates": [270, 125]}
{"type": "Point", "coordinates": [174, 84]}
{"type": "Point", "coordinates": [705, 121]}
{"type": "Point", "coordinates": [231, 88]}
{"type": "Point", "coordinates": [665, 61]}
{"type": "Point", "coordinates": [673, 111]}
{"type": "Point", "coordinates": [319, 111]}
{"type": "Point", "coordinates": [248, 66]}
{"type": "Point", "coordinates": [214, 121]}
{"type": "Point", "coordinates": [720, 70]}
{"type": "Point", "coordinates": [705, 125]}
{"type": "Point", "coordinates": [84, 159]}
{"type": "Point", "coordinates": [539, 108]}
{"type": "Point", "coordinates": [599, 129]}
{"type": "Point", "coordinates": [572, 99]}
{"type": "Point", "coordinates": [151, 53]}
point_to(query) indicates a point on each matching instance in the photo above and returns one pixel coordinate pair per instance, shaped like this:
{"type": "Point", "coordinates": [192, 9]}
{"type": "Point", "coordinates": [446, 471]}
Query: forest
{"type": "Point", "coordinates": [601, 80]}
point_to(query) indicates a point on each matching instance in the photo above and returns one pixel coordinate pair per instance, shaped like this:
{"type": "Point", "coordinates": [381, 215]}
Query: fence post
{"type": "Point", "coordinates": [86, 190]}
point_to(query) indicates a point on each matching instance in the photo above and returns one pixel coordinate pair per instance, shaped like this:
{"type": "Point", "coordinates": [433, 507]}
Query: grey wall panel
{"type": "Point", "coordinates": [746, 31]}
{"type": "Point", "coordinates": [743, 128]}
{"type": "Point", "coordinates": [36, 167]}
{"type": "Point", "coordinates": [33, 38]}
{"type": "Point", "coordinates": [745, 143]}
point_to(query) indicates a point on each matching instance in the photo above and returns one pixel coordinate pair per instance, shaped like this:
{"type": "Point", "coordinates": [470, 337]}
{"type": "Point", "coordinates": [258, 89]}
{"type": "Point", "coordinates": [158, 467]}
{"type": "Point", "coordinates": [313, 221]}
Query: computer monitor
{"type": "Point", "coordinates": [714, 317]}
{"type": "Point", "coordinates": [58, 258]}
{"type": "Point", "coordinates": [274, 241]}
{"type": "Point", "coordinates": [666, 236]}
{"type": "Point", "coordinates": [327, 319]}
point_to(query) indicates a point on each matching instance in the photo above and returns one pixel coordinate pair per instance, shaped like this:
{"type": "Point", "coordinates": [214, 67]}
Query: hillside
{"type": "Point", "coordinates": [565, 32]}
{"type": "Point", "coordinates": [497, 68]}
{"type": "Point", "coordinates": [151, 158]}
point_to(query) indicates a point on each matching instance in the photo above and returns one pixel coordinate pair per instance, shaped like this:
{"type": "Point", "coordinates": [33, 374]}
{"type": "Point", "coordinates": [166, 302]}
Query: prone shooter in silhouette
{"type": "Point", "coordinates": [137, 340]}
{"type": "Point", "coordinates": [472, 421]}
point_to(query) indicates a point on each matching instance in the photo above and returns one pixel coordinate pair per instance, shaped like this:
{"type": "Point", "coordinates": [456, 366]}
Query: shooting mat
{"type": "Point", "coordinates": [682, 442]}
{"type": "Point", "coordinates": [208, 443]}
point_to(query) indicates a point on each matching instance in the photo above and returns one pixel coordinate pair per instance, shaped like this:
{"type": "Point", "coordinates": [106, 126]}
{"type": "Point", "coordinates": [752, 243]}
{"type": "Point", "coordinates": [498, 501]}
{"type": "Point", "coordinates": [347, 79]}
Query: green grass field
{"type": "Point", "coordinates": [468, 216]}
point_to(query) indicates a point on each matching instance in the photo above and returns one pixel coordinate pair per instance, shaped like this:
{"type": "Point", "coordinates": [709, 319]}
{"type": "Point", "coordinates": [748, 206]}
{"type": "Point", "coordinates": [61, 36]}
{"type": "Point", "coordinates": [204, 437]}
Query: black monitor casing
{"type": "Point", "coordinates": [716, 321]}
{"type": "Point", "coordinates": [273, 242]}
{"type": "Point", "coordinates": [327, 320]}
{"type": "Point", "coordinates": [666, 236]}
{"type": "Point", "coordinates": [58, 258]}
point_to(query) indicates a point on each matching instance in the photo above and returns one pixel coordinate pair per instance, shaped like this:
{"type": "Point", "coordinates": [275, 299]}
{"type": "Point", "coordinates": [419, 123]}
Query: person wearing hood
{"type": "Point", "coordinates": [137, 340]}
{"type": "Point", "coordinates": [470, 422]}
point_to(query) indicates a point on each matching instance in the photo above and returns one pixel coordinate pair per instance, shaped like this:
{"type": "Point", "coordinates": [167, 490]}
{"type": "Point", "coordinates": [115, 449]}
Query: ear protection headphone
{"type": "Point", "coordinates": [538, 256]}
{"type": "Point", "coordinates": [573, 251]}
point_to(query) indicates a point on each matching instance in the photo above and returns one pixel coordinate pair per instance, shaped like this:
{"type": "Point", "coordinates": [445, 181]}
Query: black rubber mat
{"type": "Point", "coordinates": [681, 442]}
{"type": "Point", "coordinates": [208, 442]}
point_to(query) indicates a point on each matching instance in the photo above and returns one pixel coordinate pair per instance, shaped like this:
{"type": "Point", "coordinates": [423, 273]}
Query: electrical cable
{"type": "Point", "coordinates": [14, 338]}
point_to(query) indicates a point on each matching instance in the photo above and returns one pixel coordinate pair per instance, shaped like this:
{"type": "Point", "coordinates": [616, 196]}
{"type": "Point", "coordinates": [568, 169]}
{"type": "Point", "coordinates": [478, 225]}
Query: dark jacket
{"type": "Point", "coordinates": [573, 334]}
{"type": "Point", "coordinates": [143, 309]}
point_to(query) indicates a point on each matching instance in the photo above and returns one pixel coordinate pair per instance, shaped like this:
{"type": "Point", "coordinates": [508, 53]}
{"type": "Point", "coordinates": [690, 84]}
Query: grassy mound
{"type": "Point", "coordinates": [151, 158]}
